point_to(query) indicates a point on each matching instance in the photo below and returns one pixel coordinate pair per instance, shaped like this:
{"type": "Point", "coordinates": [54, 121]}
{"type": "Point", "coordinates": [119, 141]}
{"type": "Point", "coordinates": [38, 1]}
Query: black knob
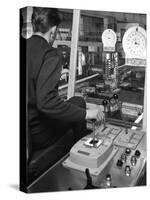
{"type": "Point", "coordinates": [119, 163]}
{"type": "Point", "coordinates": [137, 153]}
{"type": "Point", "coordinates": [108, 177]}
{"type": "Point", "coordinates": [104, 102]}
{"type": "Point", "coordinates": [115, 96]}
{"type": "Point", "coordinates": [127, 151]}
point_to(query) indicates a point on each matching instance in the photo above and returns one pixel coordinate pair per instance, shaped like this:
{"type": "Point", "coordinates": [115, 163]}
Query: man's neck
{"type": "Point", "coordinates": [45, 36]}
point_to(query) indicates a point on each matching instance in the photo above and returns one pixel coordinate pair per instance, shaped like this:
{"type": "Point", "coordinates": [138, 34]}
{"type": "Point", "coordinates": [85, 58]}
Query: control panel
{"type": "Point", "coordinates": [94, 152]}
{"type": "Point", "coordinates": [114, 156]}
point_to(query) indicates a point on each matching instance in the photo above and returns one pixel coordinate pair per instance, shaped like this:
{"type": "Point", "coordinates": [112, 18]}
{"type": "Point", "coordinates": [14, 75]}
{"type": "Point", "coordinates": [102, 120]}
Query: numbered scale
{"type": "Point", "coordinates": [109, 39]}
{"type": "Point", "coordinates": [110, 57]}
{"type": "Point", "coordinates": [134, 45]}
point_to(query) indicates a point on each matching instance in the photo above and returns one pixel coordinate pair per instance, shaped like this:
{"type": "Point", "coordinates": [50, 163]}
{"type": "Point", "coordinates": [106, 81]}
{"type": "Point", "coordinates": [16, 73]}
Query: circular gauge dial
{"type": "Point", "coordinates": [134, 42]}
{"type": "Point", "coordinates": [109, 37]}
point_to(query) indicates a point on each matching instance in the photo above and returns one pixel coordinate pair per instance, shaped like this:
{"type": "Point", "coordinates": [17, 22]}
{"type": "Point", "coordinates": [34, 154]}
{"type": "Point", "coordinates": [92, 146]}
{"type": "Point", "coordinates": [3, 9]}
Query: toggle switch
{"type": "Point", "coordinates": [127, 170]}
{"type": "Point", "coordinates": [133, 160]}
{"type": "Point", "coordinates": [124, 157]}
{"type": "Point", "coordinates": [108, 180]}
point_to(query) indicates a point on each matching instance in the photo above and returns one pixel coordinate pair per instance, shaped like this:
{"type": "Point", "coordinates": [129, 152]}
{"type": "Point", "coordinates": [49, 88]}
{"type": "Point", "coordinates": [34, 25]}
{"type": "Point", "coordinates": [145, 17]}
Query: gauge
{"type": "Point", "coordinates": [109, 37]}
{"type": "Point", "coordinates": [134, 42]}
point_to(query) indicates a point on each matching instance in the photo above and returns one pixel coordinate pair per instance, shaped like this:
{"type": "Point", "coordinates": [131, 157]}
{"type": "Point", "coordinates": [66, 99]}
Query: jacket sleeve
{"type": "Point", "coordinates": [48, 100]}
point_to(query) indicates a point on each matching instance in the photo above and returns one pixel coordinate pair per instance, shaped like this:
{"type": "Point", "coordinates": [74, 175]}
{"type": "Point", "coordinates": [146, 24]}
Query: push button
{"type": "Point", "coordinates": [127, 151]}
{"type": "Point", "coordinates": [119, 164]}
{"type": "Point", "coordinates": [137, 153]}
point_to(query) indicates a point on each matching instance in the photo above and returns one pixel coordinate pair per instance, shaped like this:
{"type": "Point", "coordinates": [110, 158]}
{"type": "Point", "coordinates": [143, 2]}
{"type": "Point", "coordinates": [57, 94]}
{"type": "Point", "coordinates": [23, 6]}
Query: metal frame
{"type": "Point", "coordinates": [73, 56]}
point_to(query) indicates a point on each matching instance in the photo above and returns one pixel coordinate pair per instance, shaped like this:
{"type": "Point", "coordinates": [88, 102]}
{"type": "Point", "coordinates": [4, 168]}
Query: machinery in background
{"type": "Point", "coordinates": [65, 52]}
{"type": "Point", "coordinates": [106, 86]}
{"type": "Point", "coordinates": [110, 57]}
{"type": "Point", "coordinates": [116, 78]}
{"type": "Point", "coordinates": [134, 45]}
{"type": "Point", "coordinates": [118, 150]}
{"type": "Point", "coordinates": [133, 71]}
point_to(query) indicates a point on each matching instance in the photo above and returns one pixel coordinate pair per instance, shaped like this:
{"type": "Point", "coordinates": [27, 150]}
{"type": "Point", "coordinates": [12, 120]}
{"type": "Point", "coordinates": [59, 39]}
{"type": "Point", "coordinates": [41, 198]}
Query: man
{"type": "Point", "coordinates": [48, 116]}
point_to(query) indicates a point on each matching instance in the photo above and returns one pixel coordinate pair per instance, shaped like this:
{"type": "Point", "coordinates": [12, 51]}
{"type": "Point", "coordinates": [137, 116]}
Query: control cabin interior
{"type": "Point", "coordinates": [105, 74]}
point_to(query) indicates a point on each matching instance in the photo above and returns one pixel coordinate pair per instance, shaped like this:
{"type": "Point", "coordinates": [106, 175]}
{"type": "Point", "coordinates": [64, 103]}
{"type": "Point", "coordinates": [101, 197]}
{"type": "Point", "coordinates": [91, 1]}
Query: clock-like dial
{"type": "Point", "coordinates": [109, 37]}
{"type": "Point", "coordinates": [134, 42]}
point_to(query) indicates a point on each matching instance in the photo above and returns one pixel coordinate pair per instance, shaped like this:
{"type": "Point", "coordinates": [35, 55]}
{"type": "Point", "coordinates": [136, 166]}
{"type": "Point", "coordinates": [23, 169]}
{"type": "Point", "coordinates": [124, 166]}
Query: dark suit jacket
{"type": "Point", "coordinates": [44, 103]}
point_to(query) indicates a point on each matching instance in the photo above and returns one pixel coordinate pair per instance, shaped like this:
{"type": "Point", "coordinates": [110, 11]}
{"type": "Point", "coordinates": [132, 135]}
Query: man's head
{"type": "Point", "coordinates": [46, 21]}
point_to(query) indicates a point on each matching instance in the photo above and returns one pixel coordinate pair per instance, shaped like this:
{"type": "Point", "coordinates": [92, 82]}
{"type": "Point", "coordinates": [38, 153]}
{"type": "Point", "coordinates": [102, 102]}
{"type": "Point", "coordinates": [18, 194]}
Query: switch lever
{"type": "Point", "coordinates": [94, 130]}
{"type": "Point", "coordinates": [104, 104]}
{"type": "Point", "coordinates": [89, 184]}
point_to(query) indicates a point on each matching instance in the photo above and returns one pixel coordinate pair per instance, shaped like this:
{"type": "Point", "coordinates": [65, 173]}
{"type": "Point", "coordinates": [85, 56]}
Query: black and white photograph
{"type": "Point", "coordinates": [83, 96]}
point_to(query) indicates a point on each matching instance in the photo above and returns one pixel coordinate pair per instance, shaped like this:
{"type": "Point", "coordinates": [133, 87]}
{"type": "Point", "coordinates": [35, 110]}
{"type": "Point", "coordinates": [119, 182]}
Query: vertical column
{"type": "Point", "coordinates": [106, 21]}
{"type": "Point", "coordinates": [73, 55]}
{"type": "Point", "coordinates": [145, 104]}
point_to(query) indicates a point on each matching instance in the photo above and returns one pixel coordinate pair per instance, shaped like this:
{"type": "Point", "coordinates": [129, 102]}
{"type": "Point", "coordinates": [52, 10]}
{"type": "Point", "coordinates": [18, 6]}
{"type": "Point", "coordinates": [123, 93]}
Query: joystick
{"type": "Point", "coordinates": [94, 141]}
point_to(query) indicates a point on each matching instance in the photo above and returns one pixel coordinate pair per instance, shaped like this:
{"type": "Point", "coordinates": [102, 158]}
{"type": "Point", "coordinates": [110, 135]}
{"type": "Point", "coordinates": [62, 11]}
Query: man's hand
{"type": "Point", "coordinates": [95, 114]}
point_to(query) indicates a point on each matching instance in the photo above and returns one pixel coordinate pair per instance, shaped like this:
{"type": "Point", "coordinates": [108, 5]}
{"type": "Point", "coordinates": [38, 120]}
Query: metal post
{"type": "Point", "coordinates": [73, 56]}
{"type": "Point", "coordinates": [106, 22]}
{"type": "Point", "coordinates": [145, 104]}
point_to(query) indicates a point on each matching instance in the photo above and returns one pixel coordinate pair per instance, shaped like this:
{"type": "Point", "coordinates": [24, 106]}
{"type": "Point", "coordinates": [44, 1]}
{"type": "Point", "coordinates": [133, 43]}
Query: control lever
{"type": "Point", "coordinates": [89, 184]}
{"type": "Point", "coordinates": [94, 131]}
{"type": "Point", "coordinates": [104, 104]}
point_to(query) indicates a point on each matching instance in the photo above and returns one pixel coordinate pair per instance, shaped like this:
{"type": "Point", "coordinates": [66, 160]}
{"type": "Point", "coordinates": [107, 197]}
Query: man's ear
{"type": "Point", "coordinates": [52, 34]}
{"type": "Point", "coordinates": [52, 30]}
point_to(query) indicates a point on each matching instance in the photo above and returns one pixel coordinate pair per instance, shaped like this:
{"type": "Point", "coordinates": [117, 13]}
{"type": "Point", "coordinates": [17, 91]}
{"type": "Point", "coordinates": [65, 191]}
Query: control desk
{"type": "Point", "coordinates": [123, 148]}
{"type": "Point", "coordinates": [111, 156]}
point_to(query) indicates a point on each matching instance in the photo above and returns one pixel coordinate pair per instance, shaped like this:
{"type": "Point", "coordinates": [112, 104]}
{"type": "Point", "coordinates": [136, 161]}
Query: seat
{"type": "Point", "coordinates": [41, 160]}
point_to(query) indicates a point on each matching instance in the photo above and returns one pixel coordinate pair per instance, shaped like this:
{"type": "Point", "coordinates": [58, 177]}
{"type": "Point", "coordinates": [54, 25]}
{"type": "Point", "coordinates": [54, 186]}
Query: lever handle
{"type": "Point", "coordinates": [89, 179]}
{"type": "Point", "coordinates": [115, 96]}
{"type": "Point", "coordinates": [104, 102]}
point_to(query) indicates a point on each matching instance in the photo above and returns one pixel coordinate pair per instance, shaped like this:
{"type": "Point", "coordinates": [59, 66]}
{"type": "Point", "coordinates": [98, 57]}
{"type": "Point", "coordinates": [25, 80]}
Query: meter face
{"type": "Point", "coordinates": [109, 37]}
{"type": "Point", "coordinates": [134, 42]}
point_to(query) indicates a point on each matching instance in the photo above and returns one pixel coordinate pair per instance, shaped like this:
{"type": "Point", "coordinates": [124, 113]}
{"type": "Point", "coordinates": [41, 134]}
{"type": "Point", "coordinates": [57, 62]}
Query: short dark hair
{"type": "Point", "coordinates": [45, 18]}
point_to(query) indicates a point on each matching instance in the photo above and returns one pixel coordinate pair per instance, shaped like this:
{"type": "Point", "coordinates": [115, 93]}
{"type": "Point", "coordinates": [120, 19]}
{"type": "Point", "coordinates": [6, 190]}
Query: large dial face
{"type": "Point", "coordinates": [134, 42]}
{"type": "Point", "coordinates": [109, 37]}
